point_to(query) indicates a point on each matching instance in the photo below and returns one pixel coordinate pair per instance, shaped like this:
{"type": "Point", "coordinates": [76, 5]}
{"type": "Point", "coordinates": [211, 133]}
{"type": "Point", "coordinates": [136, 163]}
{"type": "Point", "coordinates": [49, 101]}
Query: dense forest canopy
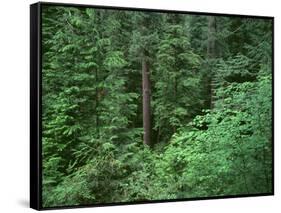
{"type": "Point", "coordinates": [150, 106]}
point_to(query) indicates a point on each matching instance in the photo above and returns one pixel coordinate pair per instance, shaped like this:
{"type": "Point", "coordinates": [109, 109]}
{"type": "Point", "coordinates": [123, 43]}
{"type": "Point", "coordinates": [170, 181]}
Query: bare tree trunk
{"type": "Point", "coordinates": [211, 54]}
{"type": "Point", "coordinates": [146, 102]}
{"type": "Point", "coordinates": [211, 48]}
{"type": "Point", "coordinates": [97, 104]}
{"type": "Point", "coordinates": [97, 100]}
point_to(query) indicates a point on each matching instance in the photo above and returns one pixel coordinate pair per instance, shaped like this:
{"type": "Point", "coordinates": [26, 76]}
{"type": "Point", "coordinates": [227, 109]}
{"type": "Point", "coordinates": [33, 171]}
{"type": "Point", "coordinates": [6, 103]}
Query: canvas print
{"type": "Point", "coordinates": [141, 106]}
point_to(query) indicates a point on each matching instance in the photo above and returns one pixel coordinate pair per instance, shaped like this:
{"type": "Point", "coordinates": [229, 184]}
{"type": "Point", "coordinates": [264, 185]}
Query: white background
{"type": "Point", "coordinates": [14, 105]}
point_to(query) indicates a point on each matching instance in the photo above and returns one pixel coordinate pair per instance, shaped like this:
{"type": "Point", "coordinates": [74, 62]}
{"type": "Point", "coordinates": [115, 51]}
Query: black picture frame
{"type": "Point", "coordinates": [36, 102]}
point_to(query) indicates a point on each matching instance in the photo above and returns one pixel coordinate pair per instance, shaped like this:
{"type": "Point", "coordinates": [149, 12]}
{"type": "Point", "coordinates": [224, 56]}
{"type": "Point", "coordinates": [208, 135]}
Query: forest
{"type": "Point", "coordinates": [141, 106]}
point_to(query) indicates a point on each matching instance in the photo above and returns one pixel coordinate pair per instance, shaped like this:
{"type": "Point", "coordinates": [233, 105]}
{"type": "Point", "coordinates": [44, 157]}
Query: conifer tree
{"type": "Point", "coordinates": [128, 113]}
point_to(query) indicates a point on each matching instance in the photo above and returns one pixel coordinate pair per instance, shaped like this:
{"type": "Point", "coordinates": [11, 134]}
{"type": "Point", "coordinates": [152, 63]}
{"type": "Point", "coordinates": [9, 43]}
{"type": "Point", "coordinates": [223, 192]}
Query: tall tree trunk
{"type": "Point", "coordinates": [211, 54]}
{"type": "Point", "coordinates": [97, 104]}
{"type": "Point", "coordinates": [97, 100]}
{"type": "Point", "coordinates": [211, 48]}
{"type": "Point", "coordinates": [146, 102]}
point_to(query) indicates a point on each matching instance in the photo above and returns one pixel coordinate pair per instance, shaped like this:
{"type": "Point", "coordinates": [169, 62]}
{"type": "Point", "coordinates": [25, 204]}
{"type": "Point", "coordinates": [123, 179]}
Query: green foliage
{"type": "Point", "coordinates": [233, 155]}
{"type": "Point", "coordinates": [92, 99]}
{"type": "Point", "coordinates": [177, 79]}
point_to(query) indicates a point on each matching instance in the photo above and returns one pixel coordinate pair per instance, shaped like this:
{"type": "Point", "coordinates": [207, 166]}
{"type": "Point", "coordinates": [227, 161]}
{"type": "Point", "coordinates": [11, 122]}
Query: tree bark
{"type": "Point", "coordinates": [97, 104]}
{"type": "Point", "coordinates": [146, 102]}
{"type": "Point", "coordinates": [211, 54]}
{"type": "Point", "coordinates": [211, 48]}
